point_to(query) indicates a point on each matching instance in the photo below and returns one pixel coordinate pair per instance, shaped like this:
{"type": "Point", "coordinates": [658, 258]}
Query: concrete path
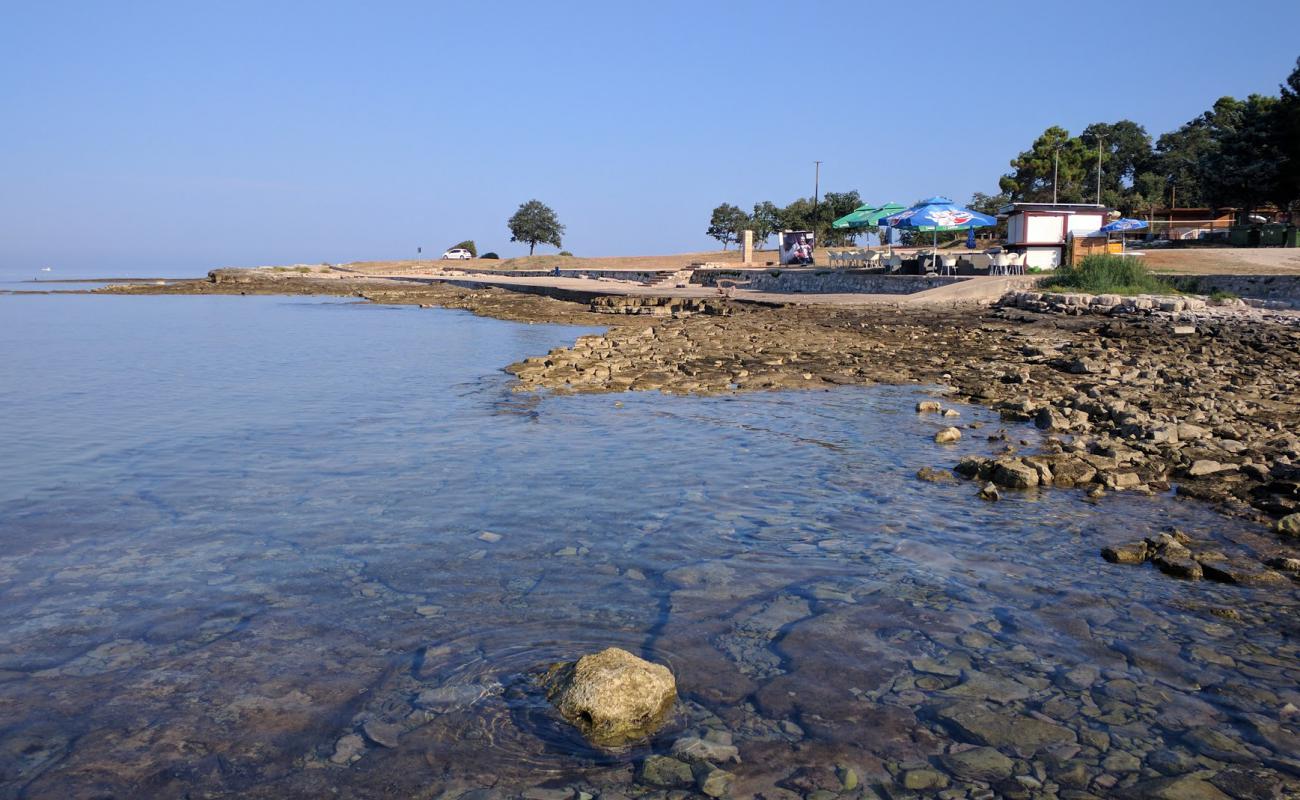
{"type": "Point", "coordinates": [976, 290]}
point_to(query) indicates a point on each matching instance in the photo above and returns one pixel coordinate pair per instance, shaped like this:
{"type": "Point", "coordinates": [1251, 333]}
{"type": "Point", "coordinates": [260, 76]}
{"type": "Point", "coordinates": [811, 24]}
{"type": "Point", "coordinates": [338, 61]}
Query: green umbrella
{"type": "Point", "coordinates": [867, 216]}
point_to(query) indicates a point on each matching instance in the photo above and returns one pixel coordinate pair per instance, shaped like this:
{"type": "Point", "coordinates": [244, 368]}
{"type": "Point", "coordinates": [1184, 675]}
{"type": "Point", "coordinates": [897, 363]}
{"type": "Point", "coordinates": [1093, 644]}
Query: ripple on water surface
{"type": "Point", "coordinates": [340, 563]}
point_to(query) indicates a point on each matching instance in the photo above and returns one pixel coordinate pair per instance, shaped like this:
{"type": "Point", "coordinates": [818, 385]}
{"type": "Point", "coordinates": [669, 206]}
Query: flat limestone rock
{"type": "Point", "coordinates": [979, 764]}
{"type": "Point", "coordinates": [1183, 787]}
{"type": "Point", "coordinates": [612, 696]}
{"type": "Point", "coordinates": [1005, 730]}
{"type": "Point", "coordinates": [983, 686]}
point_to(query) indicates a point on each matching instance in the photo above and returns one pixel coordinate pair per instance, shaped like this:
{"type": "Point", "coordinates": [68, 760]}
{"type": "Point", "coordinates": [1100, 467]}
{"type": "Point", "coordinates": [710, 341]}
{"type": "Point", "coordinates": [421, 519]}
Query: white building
{"type": "Point", "coordinates": [1043, 230]}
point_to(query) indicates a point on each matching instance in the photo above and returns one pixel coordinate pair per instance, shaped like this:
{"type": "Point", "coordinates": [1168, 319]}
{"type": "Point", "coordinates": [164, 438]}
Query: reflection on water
{"type": "Point", "coordinates": [243, 555]}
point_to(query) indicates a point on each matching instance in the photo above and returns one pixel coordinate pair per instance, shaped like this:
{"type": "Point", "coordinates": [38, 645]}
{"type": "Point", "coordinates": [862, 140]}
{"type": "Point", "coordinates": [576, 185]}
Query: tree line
{"type": "Point", "coordinates": [728, 222]}
{"type": "Point", "coordinates": [1238, 154]}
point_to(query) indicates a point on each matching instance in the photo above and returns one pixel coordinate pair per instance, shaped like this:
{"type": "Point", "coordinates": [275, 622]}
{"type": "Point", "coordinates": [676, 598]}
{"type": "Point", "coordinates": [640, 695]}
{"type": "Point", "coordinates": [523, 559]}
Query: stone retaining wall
{"type": "Point", "coordinates": [1283, 290]}
{"type": "Point", "coordinates": [1077, 303]}
{"type": "Point", "coordinates": [640, 276]}
{"type": "Point", "coordinates": [821, 281]}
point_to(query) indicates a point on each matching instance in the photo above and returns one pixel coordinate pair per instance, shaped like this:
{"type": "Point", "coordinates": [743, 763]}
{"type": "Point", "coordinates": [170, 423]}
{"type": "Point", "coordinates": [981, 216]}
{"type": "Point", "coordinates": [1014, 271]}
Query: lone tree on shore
{"type": "Point", "coordinates": [535, 223]}
{"type": "Point", "coordinates": [726, 223]}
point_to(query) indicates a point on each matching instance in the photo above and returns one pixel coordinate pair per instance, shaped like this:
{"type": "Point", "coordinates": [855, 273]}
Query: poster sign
{"type": "Point", "coordinates": [796, 247]}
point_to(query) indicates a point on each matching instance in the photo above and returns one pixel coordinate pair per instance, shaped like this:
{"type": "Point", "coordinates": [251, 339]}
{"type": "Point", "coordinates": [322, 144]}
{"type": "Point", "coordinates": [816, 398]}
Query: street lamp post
{"type": "Point", "coordinates": [817, 185]}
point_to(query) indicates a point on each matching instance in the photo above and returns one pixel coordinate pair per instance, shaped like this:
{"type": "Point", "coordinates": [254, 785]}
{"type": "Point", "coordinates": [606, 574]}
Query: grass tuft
{"type": "Point", "coordinates": [1108, 274]}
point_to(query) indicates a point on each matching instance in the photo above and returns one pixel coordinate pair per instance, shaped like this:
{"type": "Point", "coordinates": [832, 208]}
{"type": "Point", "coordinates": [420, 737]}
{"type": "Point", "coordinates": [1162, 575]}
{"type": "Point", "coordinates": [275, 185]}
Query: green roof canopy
{"type": "Point", "coordinates": [867, 216]}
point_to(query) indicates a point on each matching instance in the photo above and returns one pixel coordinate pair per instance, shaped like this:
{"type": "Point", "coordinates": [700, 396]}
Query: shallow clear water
{"type": "Point", "coordinates": [240, 554]}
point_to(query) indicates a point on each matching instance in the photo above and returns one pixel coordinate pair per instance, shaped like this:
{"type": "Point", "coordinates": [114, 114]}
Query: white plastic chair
{"type": "Point", "coordinates": [948, 264]}
{"type": "Point", "coordinates": [999, 264]}
{"type": "Point", "coordinates": [895, 262]}
{"type": "Point", "coordinates": [1016, 263]}
{"type": "Point", "coordinates": [872, 260]}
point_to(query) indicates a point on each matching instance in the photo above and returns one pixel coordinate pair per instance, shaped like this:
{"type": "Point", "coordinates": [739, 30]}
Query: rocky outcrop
{"type": "Point", "coordinates": [612, 696]}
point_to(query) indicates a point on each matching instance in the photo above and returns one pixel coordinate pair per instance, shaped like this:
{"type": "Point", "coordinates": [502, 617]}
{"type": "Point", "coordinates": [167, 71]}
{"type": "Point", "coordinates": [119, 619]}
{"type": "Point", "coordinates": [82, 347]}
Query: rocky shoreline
{"type": "Point", "coordinates": [1139, 402]}
{"type": "Point", "coordinates": [1132, 404]}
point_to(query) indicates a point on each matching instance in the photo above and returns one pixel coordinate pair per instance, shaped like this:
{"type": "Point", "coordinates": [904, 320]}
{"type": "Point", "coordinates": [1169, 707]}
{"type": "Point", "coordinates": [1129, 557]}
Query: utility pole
{"type": "Point", "coordinates": [1099, 170]}
{"type": "Point", "coordinates": [1056, 169]}
{"type": "Point", "coordinates": [817, 185]}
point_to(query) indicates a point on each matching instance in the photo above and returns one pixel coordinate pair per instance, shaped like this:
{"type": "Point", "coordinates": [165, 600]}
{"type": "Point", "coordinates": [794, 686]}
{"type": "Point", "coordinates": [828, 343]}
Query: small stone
{"type": "Point", "coordinates": [1132, 553]}
{"type": "Point", "coordinates": [384, 734]}
{"type": "Point", "coordinates": [922, 779]}
{"type": "Point", "coordinates": [1120, 761]}
{"type": "Point", "coordinates": [990, 492]}
{"type": "Point", "coordinates": [935, 475]}
{"type": "Point", "coordinates": [928, 407]}
{"type": "Point", "coordinates": [692, 748]}
{"type": "Point", "coordinates": [1184, 330]}
{"type": "Point", "coordinates": [952, 412]}
{"type": "Point", "coordinates": [348, 749]}
{"type": "Point", "coordinates": [1178, 566]}
{"type": "Point", "coordinates": [947, 436]}
{"type": "Point", "coordinates": [932, 667]}
{"type": "Point", "coordinates": [712, 781]}
{"type": "Point", "coordinates": [490, 537]}
{"type": "Point", "coordinates": [1289, 525]}
{"type": "Point", "coordinates": [429, 611]}
{"type": "Point", "coordinates": [979, 764]}
{"type": "Point", "coordinates": [666, 772]}
{"type": "Point", "coordinates": [1014, 474]}
{"type": "Point", "coordinates": [848, 777]}
{"type": "Point", "coordinates": [1206, 466]}
{"type": "Point", "coordinates": [634, 574]}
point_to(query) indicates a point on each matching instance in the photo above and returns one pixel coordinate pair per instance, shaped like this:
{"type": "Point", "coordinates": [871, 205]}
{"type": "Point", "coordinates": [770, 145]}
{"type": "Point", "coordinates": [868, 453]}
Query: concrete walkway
{"type": "Point", "coordinates": [976, 290]}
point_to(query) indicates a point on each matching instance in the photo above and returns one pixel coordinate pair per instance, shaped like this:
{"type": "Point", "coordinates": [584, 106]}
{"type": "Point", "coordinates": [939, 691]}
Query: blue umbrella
{"type": "Point", "coordinates": [939, 214]}
{"type": "Point", "coordinates": [1123, 224]}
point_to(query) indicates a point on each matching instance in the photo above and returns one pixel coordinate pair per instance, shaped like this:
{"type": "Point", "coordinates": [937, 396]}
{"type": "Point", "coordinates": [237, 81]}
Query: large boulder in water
{"type": "Point", "coordinates": [612, 696]}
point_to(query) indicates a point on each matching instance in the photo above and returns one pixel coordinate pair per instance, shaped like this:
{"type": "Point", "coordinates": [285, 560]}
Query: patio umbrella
{"type": "Point", "coordinates": [939, 214]}
{"type": "Point", "coordinates": [866, 216]}
{"type": "Point", "coordinates": [1121, 225]}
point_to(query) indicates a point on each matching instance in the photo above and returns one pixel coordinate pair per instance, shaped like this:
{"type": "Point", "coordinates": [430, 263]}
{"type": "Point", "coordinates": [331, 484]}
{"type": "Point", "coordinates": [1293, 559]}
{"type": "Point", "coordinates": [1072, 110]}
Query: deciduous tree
{"type": "Point", "coordinates": [535, 223]}
{"type": "Point", "coordinates": [726, 223]}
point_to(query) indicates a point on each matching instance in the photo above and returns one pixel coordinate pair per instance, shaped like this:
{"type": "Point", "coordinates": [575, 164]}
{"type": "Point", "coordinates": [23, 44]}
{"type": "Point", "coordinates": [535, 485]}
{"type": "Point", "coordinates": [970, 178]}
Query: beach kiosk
{"type": "Point", "coordinates": [1042, 231]}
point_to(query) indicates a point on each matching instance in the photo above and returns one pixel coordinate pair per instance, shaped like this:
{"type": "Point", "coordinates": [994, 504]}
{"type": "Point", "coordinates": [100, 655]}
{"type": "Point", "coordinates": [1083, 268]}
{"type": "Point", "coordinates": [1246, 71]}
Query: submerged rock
{"type": "Point", "coordinates": [1290, 525]}
{"type": "Point", "coordinates": [612, 696]}
{"type": "Point", "coordinates": [947, 435]}
{"type": "Point", "coordinates": [666, 772]}
{"type": "Point", "coordinates": [979, 764]}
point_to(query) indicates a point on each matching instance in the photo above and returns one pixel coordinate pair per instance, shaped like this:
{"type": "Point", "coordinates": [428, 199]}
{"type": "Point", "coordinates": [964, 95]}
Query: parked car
{"type": "Point", "coordinates": [457, 252]}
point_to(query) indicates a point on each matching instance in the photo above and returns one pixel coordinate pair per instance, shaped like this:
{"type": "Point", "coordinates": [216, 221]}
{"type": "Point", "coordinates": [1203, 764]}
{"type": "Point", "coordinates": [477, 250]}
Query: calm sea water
{"type": "Point", "coordinates": [242, 553]}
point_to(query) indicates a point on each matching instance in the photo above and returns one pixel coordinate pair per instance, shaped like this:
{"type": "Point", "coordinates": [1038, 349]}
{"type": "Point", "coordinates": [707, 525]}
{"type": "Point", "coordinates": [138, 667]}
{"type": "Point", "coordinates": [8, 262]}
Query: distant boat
{"type": "Point", "coordinates": [46, 269]}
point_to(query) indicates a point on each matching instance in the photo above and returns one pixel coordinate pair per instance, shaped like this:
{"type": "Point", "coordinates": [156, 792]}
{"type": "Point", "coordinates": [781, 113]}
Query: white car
{"type": "Point", "coordinates": [457, 252]}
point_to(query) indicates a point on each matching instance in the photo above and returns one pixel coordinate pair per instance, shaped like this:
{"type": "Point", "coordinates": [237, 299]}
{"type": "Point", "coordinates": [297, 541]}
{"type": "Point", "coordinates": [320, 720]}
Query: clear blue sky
{"type": "Point", "coordinates": [171, 137]}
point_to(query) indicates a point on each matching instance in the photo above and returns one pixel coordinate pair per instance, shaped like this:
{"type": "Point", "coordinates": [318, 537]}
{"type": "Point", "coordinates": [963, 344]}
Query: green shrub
{"type": "Point", "coordinates": [469, 245]}
{"type": "Point", "coordinates": [566, 253]}
{"type": "Point", "coordinates": [1219, 294]}
{"type": "Point", "coordinates": [1108, 274]}
{"type": "Point", "coordinates": [491, 255]}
